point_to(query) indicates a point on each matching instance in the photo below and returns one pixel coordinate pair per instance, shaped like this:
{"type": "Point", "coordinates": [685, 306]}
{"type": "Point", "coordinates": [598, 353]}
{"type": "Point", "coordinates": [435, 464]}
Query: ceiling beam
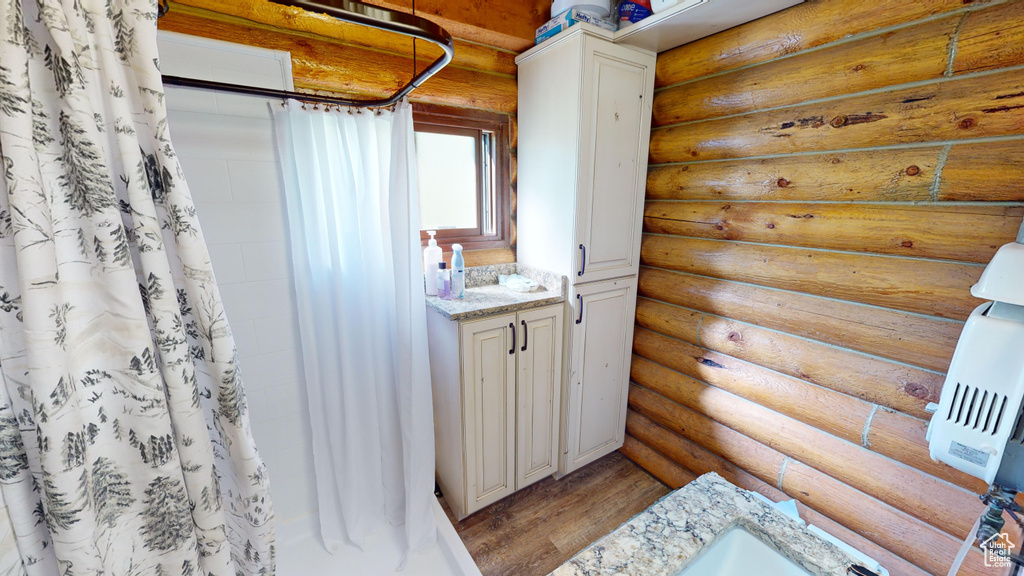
{"type": "Point", "coordinates": [508, 24]}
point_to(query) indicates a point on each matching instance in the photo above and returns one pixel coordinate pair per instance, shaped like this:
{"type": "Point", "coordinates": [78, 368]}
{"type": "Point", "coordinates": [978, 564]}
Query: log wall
{"type": "Point", "coordinates": [825, 186]}
{"type": "Point", "coordinates": [330, 56]}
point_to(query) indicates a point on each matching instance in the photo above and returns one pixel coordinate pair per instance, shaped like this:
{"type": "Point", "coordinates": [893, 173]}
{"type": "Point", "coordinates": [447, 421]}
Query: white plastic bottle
{"type": "Point", "coordinates": [431, 258]}
{"type": "Point", "coordinates": [458, 272]}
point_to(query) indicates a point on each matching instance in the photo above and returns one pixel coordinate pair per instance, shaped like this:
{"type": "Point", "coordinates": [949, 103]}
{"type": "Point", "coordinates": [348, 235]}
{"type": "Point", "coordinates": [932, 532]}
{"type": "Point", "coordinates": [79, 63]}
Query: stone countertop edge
{"type": "Point", "coordinates": [485, 297]}
{"type": "Point", "coordinates": [671, 534]}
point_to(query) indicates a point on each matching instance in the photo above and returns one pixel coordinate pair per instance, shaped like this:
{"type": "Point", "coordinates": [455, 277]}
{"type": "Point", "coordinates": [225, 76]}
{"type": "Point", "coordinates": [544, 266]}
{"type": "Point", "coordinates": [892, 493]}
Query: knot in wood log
{"type": "Point", "coordinates": [839, 121]}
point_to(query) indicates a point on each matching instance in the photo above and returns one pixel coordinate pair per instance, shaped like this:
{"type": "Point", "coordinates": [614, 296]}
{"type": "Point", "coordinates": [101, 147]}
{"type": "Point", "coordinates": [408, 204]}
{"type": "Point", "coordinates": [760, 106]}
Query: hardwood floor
{"type": "Point", "coordinates": [535, 530]}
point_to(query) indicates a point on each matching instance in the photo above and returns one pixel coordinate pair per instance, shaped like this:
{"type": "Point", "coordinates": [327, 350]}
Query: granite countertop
{"type": "Point", "coordinates": [484, 296]}
{"type": "Point", "coordinates": [673, 532]}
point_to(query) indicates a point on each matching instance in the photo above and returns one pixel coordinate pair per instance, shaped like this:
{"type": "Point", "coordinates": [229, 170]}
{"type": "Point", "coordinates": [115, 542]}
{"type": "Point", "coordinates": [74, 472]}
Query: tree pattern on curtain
{"type": "Point", "coordinates": [125, 447]}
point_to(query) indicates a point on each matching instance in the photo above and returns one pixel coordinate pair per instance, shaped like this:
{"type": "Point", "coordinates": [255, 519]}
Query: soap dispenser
{"type": "Point", "coordinates": [431, 258]}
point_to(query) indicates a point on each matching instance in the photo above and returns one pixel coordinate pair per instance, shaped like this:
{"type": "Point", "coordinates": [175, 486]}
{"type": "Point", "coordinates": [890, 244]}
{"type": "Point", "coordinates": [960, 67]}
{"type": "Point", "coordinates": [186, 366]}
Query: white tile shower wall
{"type": "Point", "coordinates": [227, 150]}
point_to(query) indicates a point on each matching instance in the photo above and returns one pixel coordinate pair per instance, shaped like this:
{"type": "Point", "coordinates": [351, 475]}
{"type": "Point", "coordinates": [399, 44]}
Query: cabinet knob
{"type": "Point", "coordinates": [526, 336]}
{"type": "Point", "coordinates": [580, 299]}
{"type": "Point", "coordinates": [512, 325]}
{"type": "Point", "coordinates": [583, 260]}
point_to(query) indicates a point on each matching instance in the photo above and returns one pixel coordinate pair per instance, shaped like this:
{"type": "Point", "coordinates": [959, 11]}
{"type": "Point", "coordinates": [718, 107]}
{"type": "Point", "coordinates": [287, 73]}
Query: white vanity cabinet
{"type": "Point", "coordinates": [496, 385]}
{"type": "Point", "coordinates": [584, 133]}
{"type": "Point", "coordinates": [598, 382]}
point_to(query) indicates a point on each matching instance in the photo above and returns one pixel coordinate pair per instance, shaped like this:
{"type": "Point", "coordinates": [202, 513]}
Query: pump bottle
{"type": "Point", "coordinates": [431, 257]}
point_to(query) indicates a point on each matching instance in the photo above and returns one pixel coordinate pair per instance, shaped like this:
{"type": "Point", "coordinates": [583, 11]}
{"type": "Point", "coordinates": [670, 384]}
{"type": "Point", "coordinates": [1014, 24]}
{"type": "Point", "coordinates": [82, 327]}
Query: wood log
{"type": "Point", "coordinates": [892, 434]}
{"type": "Point", "coordinates": [992, 38]}
{"type": "Point", "coordinates": [835, 413]}
{"type": "Point", "coordinates": [892, 482]}
{"type": "Point", "coordinates": [923, 286]}
{"type": "Point", "coordinates": [509, 24]}
{"type": "Point", "coordinates": [674, 321]}
{"type": "Point", "coordinates": [871, 517]}
{"type": "Point", "coordinates": [953, 109]}
{"type": "Point", "coordinates": [663, 425]}
{"type": "Point", "coordinates": [335, 67]}
{"type": "Point", "coordinates": [908, 338]}
{"type": "Point", "coordinates": [804, 26]}
{"type": "Point", "coordinates": [671, 474]}
{"type": "Point", "coordinates": [316, 27]}
{"type": "Point", "coordinates": [929, 548]}
{"type": "Point", "coordinates": [898, 436]}
{"type": "Point", "coordinates": [925, 342]}
{"type": "Point", "coordinates": [869, 378]}
{"type": "Point", "coordinates": [902, 438]}
{"type": "Point", "coordinates": [964, 233]}
{"type": "Point", "coordinates": [895, 435]}
{"type": "Point", "coordinates": [870, 176]}
{"type": "Point", "coordinates": [701, 461]}
{"type": "Point", "coordinates": [989, 172]}
{"type": "Point", "coordinates": [896, 57]}
{"type": "Point", "coordinates": [485, 257]}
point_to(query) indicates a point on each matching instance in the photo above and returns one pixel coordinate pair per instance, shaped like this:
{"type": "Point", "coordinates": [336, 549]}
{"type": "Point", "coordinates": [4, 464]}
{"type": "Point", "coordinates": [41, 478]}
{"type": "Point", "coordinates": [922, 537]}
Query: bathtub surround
{"type": "Point", "coordinates": [126, 445]}
{"type": "Point", "coordinates": [353, 223]}
{"type": "Point", "coordinates": [674, 532]}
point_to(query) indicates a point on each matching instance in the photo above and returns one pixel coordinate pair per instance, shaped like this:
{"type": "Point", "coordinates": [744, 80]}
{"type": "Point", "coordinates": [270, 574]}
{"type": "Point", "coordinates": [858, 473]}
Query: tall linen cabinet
{"type": "Point", "coordinates": [584, 131]}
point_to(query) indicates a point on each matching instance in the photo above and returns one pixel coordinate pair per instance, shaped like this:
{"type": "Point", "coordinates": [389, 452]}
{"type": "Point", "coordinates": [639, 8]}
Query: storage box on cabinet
{"type": "Point", "coordinates": [496, 386]}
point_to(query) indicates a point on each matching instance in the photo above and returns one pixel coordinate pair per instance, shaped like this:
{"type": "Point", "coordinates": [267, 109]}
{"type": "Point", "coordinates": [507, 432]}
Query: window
{"type": "Point", "coordinates": [463, 166]}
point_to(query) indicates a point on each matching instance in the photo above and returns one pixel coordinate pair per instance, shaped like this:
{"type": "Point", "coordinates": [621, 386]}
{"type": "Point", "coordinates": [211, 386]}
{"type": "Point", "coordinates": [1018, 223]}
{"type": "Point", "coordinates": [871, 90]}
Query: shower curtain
{"type": "Point", "coordinates": [125, 447]}
{"type": "Point", "coordinates": [353, 218]}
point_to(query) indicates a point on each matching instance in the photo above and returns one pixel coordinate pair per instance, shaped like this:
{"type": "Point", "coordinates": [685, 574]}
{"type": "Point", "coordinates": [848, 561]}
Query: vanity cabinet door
{"type": "Point", "coordinates": [615, 132]}
{"type": "Point", "coordinates": [602, 341]}
{"type": "Point", "coordinates": [489, 376]}
{"type": "Point", "coordinates": [538, 392]}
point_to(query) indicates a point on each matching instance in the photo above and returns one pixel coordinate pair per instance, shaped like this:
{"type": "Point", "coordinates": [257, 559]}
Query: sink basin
{"type": "Point", "coordinates": [741, 553]}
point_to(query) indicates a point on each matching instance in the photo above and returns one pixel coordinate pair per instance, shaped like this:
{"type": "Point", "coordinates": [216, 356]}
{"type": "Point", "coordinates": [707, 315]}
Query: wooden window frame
{"type": "Point", "coordinates": [447, 120]}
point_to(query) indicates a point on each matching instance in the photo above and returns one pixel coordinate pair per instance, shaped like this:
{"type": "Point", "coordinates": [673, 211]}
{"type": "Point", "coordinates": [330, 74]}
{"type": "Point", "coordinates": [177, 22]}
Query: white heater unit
{"type": "Point", "coordinates": [978, 426]}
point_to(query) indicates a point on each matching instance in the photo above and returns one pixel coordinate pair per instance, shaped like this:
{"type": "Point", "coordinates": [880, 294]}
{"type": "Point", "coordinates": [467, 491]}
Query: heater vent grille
{"type": "Point", "coordinates": [981, 410]}
{"type": "Point", "coordinates": [1018, 429]}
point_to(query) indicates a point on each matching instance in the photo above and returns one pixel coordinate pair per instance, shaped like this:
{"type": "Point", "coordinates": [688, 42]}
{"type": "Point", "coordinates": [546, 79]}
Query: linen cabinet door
{"type": "Point", "coordinates": [616, 127]}
{"type": "Point", "coordinates": [602, 342]}
{"type": "Point", "coordinates": [538, 392]}
{"type": "Point", "coordinates": [489, 373]}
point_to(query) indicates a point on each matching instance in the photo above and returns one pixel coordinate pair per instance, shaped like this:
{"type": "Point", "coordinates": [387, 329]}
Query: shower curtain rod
{"type": "Point", "coordinates": [356, 13]}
